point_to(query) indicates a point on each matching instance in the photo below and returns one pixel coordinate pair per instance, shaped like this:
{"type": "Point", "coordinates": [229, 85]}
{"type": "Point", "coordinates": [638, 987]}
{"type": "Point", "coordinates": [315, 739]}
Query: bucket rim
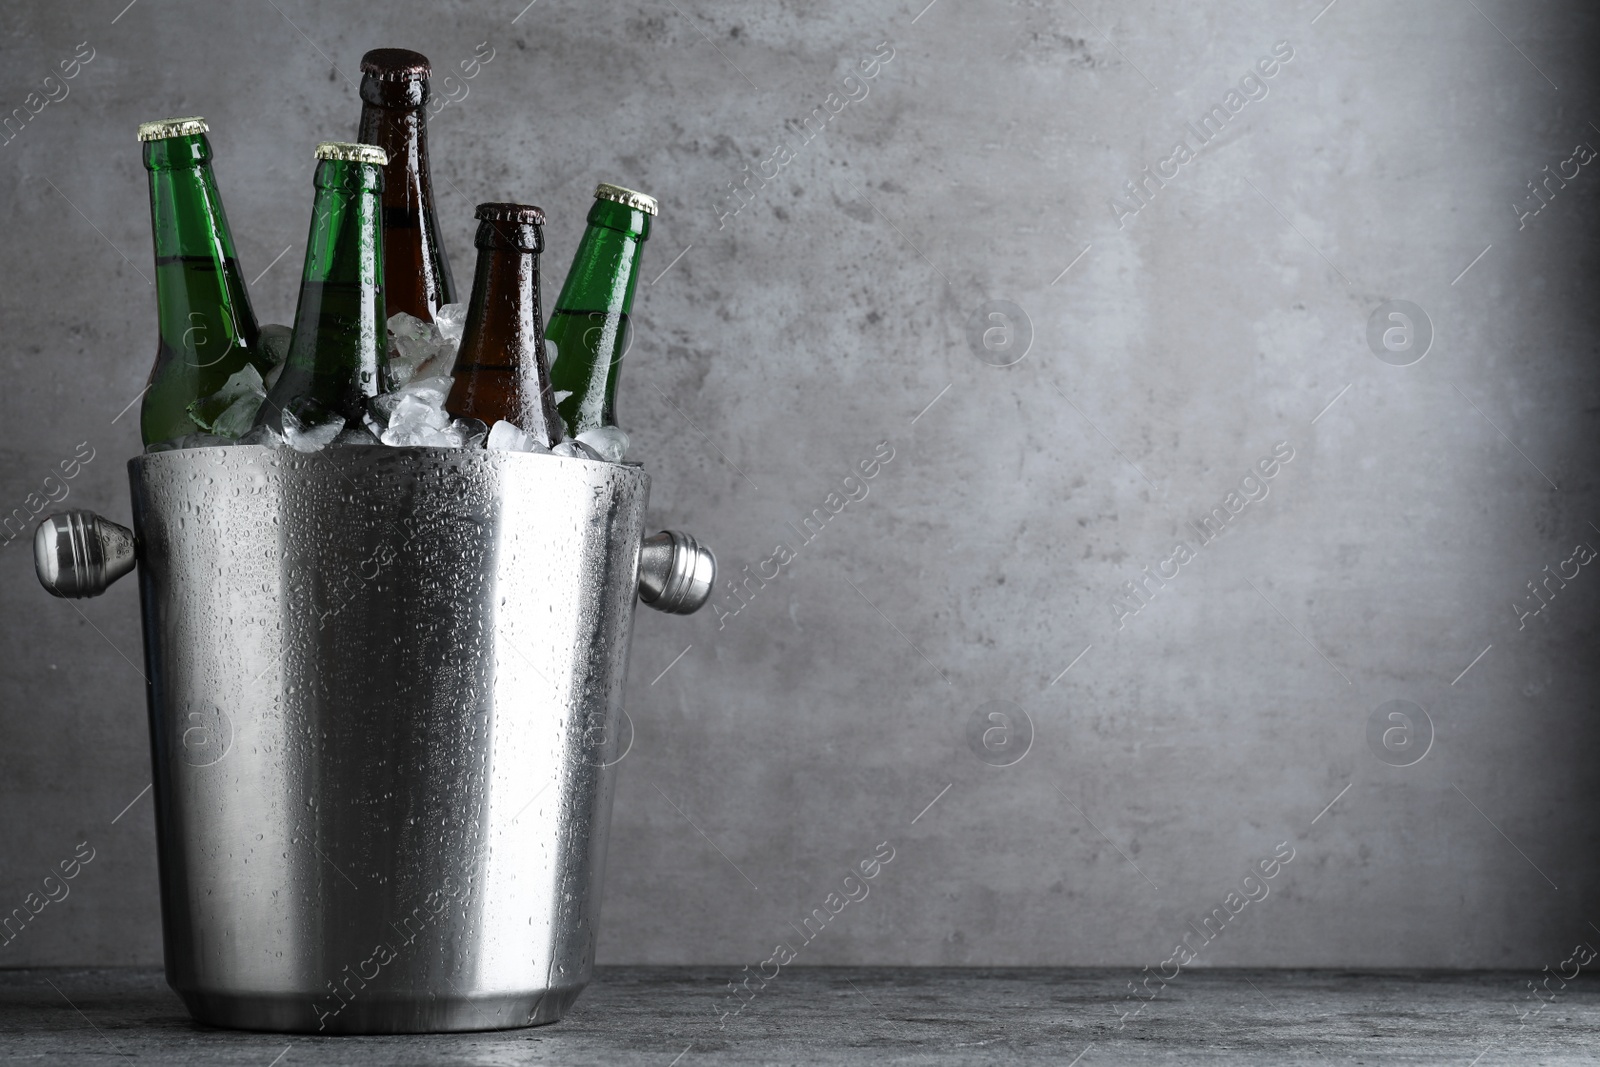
{"type": "Point", "coordinates": [422, 457]}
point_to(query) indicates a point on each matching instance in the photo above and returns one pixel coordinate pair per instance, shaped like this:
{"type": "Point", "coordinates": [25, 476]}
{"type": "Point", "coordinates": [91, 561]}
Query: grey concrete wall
{"type": "Point", "coordinates": [1171, 343]}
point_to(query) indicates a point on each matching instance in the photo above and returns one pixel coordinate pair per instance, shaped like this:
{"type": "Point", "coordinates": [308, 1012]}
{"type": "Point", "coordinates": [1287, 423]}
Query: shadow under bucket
{"type": "Point", "coordinates": [385, 690]}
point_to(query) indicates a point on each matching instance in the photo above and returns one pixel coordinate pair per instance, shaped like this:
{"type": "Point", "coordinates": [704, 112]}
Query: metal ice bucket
{"type": "Point", "coordinates": [385, 686]}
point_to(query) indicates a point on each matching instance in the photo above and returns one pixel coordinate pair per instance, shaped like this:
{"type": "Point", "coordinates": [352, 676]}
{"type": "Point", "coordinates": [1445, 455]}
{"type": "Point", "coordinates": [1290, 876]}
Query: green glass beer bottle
{"type": "Point", "coordinates": [394, 92]}
{"type": "Point", "coordinates": [589, 325]}
{"type": "Point", "coordinates": [500, 372]}
{"type": "Point", "coordinates": [337, 356]}
{"type": "Point", "coordinates": [208, 330]}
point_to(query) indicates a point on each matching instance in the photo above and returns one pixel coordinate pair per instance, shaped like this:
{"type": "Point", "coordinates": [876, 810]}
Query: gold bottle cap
{"type": "Point", "coordinates": [351, 152]}
{"type": "Point", "coordinates": [161, 129]}
{"type": "Point", "coordinates": [637, 201]}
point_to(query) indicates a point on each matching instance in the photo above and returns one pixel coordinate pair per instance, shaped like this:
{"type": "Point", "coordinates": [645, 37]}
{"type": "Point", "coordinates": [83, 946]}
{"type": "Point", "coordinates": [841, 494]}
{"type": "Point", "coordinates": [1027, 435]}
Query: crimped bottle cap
{"type": "Point", "coordinates": [351, 152]}
{"type": "Point", "coordinates": [161, 129]}
{"type": "Point", "coordinates": [395, 65]}
{"type": "Point", "coordinates": [521, 214]}
{"type": "Point", "coordinates": [638, 201]}
{"type": "Point", "coordinates": [518, 227]}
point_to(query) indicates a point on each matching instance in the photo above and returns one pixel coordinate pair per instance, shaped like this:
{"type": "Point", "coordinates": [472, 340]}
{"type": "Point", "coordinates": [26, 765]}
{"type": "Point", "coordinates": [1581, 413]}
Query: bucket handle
{"type": "Point", "coordinates": [79, 554]}
{"type": "Point", "coordinates": [676, 573]}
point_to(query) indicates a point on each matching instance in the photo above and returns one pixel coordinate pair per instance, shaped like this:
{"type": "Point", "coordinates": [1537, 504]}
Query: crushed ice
{"type": "Point", "coordinates": [421, 357]}
{"type": "Point", "coordinates": [508, 437]}
{"type": "Point", "coordinates": [609, 443]}
{"type": "Point", "coordinates": [229, 411]}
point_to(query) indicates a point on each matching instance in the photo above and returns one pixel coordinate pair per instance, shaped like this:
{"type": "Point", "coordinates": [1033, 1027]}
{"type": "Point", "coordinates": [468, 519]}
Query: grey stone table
{"type": "Point", "coordinates": [876, 1016]}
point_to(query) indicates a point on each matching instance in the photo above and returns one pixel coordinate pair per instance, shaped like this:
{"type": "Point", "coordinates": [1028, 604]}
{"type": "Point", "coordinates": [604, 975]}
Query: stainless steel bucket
{"type": "Point", "coordinates": [385, 689]}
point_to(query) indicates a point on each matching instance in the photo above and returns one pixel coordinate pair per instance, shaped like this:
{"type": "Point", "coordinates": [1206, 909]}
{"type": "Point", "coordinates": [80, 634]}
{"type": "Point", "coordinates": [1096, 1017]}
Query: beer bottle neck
{"type": "Point", "coordinates": [503, 318]}
{"type": "Point", "coordinates": [419, 271]}
{"type": "Point", "coordinates": [337, 355]}
{"type": "Point", "coordinates": [605, 269]}
{"type": "Point", "coordinates": [186, 213]}
{"type": "Point", "coordinates": [345, 244]}
{"type": "Point", "coordinates": [401, 132]}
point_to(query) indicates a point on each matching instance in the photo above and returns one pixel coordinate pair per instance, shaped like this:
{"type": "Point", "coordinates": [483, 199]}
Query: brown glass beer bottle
{"type": "Point", "coordinates": [501, 372]}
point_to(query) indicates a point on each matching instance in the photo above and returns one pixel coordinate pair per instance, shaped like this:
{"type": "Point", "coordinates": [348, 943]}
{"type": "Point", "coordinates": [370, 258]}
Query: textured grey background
{"type": "Point", "coordinates": [825, 318]}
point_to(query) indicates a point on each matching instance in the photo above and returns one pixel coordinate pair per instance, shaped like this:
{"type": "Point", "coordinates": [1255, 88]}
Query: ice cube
{"type": "Point", "coordinates": [471, 431]}
{"type": "Point", "coordinates": [414, 412]}
{"type": "Point", "coordinates": [609, 442]}
{"type": "Point", "coordinates": [407, 332]}
{"type": "Point", "coordinates": [355, 435]}
{"type": "Point", "coordinates": [431, 390]}
{"type": "Point", "coordinates": [421, 410]}
{"type": "Point", "coordinates": [507, 437]}
{"type": "Point", "coordinates": [400, 370]}
{"type": "Point", "coordinates": [562, 394]}
{"type": "Point", "coordinates": [419, 418]}
{"type": "Point", "coordinates": [312, 438]}
{"type": "Point", "coordinates": [241, 414]}
{"type": "Point", "coordinates": [412, 342]}
{"type": "Point", "coordinates": [310, 427]}
{"type": "Point", "coordinates": [451, 319]}
{"type": "Point", "coordinates": [445, 437]}
{"type": "Point", "coordinates": [440, 364]}
{"type": "Point", "coordinates": [235, 402]}
{"type": "Point", "coordinates": [262, 435]}
{"type": "Point", "coordinates": [275, 343]}
{"type": "Point", "coordinates": [575, 449]}
{"type": "Point", "coordinates": [550, 352]}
